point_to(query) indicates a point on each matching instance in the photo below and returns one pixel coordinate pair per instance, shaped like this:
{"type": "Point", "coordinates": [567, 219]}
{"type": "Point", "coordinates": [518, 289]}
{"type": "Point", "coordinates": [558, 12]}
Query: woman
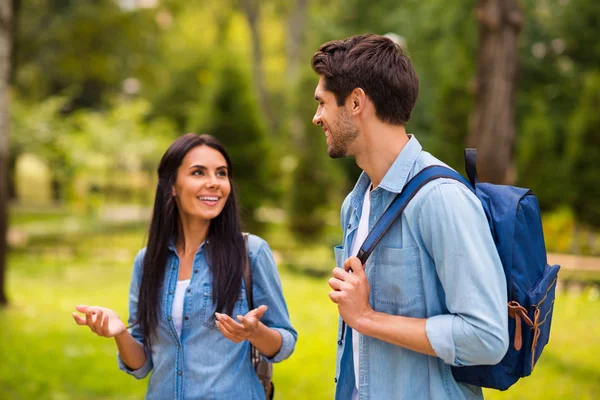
{"type": "Point", "coordinates": [188, 313]}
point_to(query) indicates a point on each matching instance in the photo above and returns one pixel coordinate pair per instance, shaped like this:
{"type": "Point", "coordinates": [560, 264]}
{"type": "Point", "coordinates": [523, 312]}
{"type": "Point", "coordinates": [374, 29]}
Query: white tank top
{"type": "Point", "coordinates": [361, 235]}
{"type": "Point", "coordinates": [178, 304]}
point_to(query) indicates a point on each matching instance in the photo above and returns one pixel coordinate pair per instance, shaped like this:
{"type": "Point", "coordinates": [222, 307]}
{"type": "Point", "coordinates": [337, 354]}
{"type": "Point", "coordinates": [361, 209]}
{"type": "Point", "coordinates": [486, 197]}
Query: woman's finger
{"type": "Point", "coordinates": [98, 322]}
{"type": "Point", "coordinates": [226, 333]}
{"type": "Point", "coordinates": [89, 320]}
{"type": "Point", "coordinates": [78, 318]}
{"type": "Point", "coordinates": [105, 325]}
{"type": "Point", "coordinates": [82, 308]}
{"type": "Point", "coordinates": [231, 325]}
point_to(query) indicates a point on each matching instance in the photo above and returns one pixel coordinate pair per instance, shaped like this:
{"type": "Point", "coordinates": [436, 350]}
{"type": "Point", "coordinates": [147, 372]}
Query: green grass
{"type": "Point", "coordinates": [46, 356]}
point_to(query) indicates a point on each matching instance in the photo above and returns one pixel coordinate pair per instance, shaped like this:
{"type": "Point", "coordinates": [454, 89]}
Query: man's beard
{"type": "Point", "coordinates": [342, 133]}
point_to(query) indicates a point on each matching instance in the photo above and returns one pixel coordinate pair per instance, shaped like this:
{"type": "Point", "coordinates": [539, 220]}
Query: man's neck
{"type": "Point", "coordinates": [379, 149]}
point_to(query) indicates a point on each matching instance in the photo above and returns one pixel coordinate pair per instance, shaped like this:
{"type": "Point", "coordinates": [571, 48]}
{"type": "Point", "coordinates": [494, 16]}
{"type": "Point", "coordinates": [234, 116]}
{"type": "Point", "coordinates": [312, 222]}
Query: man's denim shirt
{"type": "Point", "coordinates": [202, 363]}
{"type": "Point", "coordinates": [438, 261]}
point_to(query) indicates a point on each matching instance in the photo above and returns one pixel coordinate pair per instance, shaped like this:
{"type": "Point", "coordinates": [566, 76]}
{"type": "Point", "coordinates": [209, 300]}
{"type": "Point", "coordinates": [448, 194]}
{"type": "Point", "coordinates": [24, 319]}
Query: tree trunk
{"type": "Point", "coordinates": [12, 176]}
{"type": "Point", "coordinates": [492, 126]}
{"type": "Point", "coordinates": [5, 70]}
{"type": "Point", "coordinates": [295, 47]}
{"type": "Point", "coordinates": [251, 9]}
{"type": "Point", "coordinates": [56, 190]}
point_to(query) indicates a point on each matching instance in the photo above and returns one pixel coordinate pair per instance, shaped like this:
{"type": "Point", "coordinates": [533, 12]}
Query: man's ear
{"type": "Point", "coordinates": [358, 99]}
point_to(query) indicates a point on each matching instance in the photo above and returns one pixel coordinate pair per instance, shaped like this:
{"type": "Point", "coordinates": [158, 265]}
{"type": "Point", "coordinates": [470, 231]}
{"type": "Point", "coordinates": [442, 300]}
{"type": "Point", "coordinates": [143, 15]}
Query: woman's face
{"type": "Point", "coordinates": [202, 185]}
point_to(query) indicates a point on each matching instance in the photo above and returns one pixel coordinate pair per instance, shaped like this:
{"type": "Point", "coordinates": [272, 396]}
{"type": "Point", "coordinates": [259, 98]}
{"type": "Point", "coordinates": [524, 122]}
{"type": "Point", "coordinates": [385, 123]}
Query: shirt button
{"type": "Point", "coordinates": [174, 267]}
{"type": "Point", "coordinates": [186, 318]}
{"type": "Point", "coordinates": [196, 271]}
{"type": "Point", "coordinates": [170, 292]}
{"type": "Point", "coordinates": [179, 373]}
{"type": "Point", "coordinates": [334, 380]}
{"type": "Point", "coordinates": [339, 342]}
{"type": "Point", "coordinates": [349, 225]}
{"type": "Point", "coordinates": [169, 318]}
{"type": "Point", "coordinates": [189, 290]}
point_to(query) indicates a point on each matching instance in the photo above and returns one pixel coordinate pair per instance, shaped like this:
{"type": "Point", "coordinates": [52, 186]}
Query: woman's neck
{"type": "Point", "coordinates": [193, 233]}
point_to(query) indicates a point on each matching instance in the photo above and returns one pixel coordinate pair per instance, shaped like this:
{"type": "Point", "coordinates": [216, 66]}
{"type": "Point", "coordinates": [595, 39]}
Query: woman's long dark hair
{"type": "Point", "coordinates": [225, 248]}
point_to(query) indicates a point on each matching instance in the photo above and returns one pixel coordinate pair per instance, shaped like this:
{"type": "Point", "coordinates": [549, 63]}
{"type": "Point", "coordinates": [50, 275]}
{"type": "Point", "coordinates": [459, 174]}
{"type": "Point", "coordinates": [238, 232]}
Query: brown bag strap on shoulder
{"type": "Point", "coordinates": [263, 369]}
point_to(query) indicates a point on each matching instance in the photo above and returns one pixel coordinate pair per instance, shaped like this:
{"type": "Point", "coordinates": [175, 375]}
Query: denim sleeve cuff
{"type": "Point", "coordinates": [440, 334]}
{"type": "Point", "coordinates": [287, 346]}
{"type": "Point", "coordinates": [140, 373]}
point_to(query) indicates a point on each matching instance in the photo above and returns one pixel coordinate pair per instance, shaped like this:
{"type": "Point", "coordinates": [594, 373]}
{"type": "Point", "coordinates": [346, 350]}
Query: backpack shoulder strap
{"type": "Point", "coordinates": [247, 272]}
{"type": "Point", "coordinates": [401, 201]}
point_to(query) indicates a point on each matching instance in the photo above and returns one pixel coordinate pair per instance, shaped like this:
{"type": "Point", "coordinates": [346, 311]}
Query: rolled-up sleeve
{"type": "Point", "coordinates": [267, 291]}
{"type": "Point", "coordinates": [456, 234]}
{"type": "Point", "coordinates": [135, 330]}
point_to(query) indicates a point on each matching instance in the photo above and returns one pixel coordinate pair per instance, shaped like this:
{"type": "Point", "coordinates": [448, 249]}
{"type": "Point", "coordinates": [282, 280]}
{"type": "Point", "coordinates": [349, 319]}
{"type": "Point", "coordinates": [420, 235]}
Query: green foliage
{"type": "Point", "coordinates": [314, 178]}
{"type": "Point", "coordinates": [584, 153]}
{"type": "Point", "coordinates": [233, 117]}
{"type": "Point", "coordinates": [191, 65]}
{"type": "Point", "coordinates": [87, 47]}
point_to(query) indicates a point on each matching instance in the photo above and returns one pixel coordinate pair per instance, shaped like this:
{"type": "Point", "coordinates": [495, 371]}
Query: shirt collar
{"type": "Point", "coordinates": [396, 177]}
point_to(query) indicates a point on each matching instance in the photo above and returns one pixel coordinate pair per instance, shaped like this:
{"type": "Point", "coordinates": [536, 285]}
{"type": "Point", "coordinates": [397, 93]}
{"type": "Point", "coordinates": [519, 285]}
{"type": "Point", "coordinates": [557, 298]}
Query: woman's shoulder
{"type": "Point", "coordinates": [256, 244]}
{"type": "Point", "coordinates": [139, 258]}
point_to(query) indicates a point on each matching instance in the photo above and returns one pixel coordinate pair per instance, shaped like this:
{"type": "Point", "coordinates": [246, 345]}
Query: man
{"type": "Point", "coordinates": [433, 293]}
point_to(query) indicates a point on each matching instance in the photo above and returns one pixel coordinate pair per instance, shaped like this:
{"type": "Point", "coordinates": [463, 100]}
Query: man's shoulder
{"type": "Point", "coordinates": [442, 189]}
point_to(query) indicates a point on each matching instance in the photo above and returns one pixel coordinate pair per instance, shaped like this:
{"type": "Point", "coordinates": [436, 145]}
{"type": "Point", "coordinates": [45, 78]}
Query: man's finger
{"type": "Point", "coordinates": [339, 273]}
{"type": "Point", "coordinates": [336, 296]}
{"type": "Point", "coordinates": [335, 284]}
{"type": "Point", "coordinates": [354, 264]}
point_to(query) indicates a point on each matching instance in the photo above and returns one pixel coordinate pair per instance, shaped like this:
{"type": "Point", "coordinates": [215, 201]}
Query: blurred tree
{"type": "Point", "coordinates": [41, 129]}
{"type": "Point", "coordinates": [231, 114]}
{"type": "Point", "coordinates": [6, 43]}
{"type": "Point", "coordinates": [315, 178]}
{"type": "Point", "coordinates": [252, 11]}
{"type": "Point", "coordinates": [584, 153]}
{"type": "Point", "coordinates": [89, 47]}
{"type": "Point", "coordinates": [493, 125]}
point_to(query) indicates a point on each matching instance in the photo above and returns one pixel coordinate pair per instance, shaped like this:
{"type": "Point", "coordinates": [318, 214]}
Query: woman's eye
{"type": "Point", "coordinates": [222, 173]}
{"type": "Point", "coordinates": [197, 172]}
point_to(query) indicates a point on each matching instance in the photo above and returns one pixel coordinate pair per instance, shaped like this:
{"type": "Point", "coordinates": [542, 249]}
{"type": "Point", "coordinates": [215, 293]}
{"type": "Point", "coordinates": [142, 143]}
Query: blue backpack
{"type": "Point", "coordinates": [516, 226]}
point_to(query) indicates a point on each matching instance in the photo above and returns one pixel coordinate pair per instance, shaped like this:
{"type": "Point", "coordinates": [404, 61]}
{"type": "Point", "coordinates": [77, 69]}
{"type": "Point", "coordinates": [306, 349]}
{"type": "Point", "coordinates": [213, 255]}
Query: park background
{"type": "Point", "coordinates": [93, 91]}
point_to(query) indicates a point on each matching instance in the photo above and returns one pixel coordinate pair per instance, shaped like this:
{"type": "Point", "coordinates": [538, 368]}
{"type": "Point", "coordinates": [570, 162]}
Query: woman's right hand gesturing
{"type": "Point", "coordinates": [102, 321]}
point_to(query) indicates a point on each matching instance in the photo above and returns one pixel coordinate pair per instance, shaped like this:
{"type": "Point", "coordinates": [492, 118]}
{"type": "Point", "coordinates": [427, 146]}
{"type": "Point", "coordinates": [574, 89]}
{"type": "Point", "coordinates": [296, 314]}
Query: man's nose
{"type": "Point", "coordinates": [317, 118]}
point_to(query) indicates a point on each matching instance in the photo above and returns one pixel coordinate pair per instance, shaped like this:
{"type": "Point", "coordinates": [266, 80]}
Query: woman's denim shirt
{"type": "Point", "coordinates": [437, 261]}
{"type": "Point", "coordinates": [202, 363]}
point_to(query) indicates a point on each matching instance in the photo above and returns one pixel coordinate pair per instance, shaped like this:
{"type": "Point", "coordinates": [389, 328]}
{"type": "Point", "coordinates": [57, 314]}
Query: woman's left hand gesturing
{"type": "Point", "coordinates": [239, 331]}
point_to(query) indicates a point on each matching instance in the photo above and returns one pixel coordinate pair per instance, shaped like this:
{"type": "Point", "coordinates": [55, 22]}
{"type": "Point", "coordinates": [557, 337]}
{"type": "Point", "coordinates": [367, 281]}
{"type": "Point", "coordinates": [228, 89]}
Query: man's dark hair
{"type": "Point", "coordinates": [377, 65]}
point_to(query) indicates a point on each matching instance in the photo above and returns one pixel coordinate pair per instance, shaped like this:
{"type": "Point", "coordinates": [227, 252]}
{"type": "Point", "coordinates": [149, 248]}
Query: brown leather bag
{"type": "Point", "coordinates": [263, 368]}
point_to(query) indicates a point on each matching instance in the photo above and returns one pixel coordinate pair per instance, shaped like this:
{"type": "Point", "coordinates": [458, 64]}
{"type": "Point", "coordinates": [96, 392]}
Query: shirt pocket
{"type": "Point", "coordinates": [398, 281]}
{"type": "Point", "coordinates": [207, 315]}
